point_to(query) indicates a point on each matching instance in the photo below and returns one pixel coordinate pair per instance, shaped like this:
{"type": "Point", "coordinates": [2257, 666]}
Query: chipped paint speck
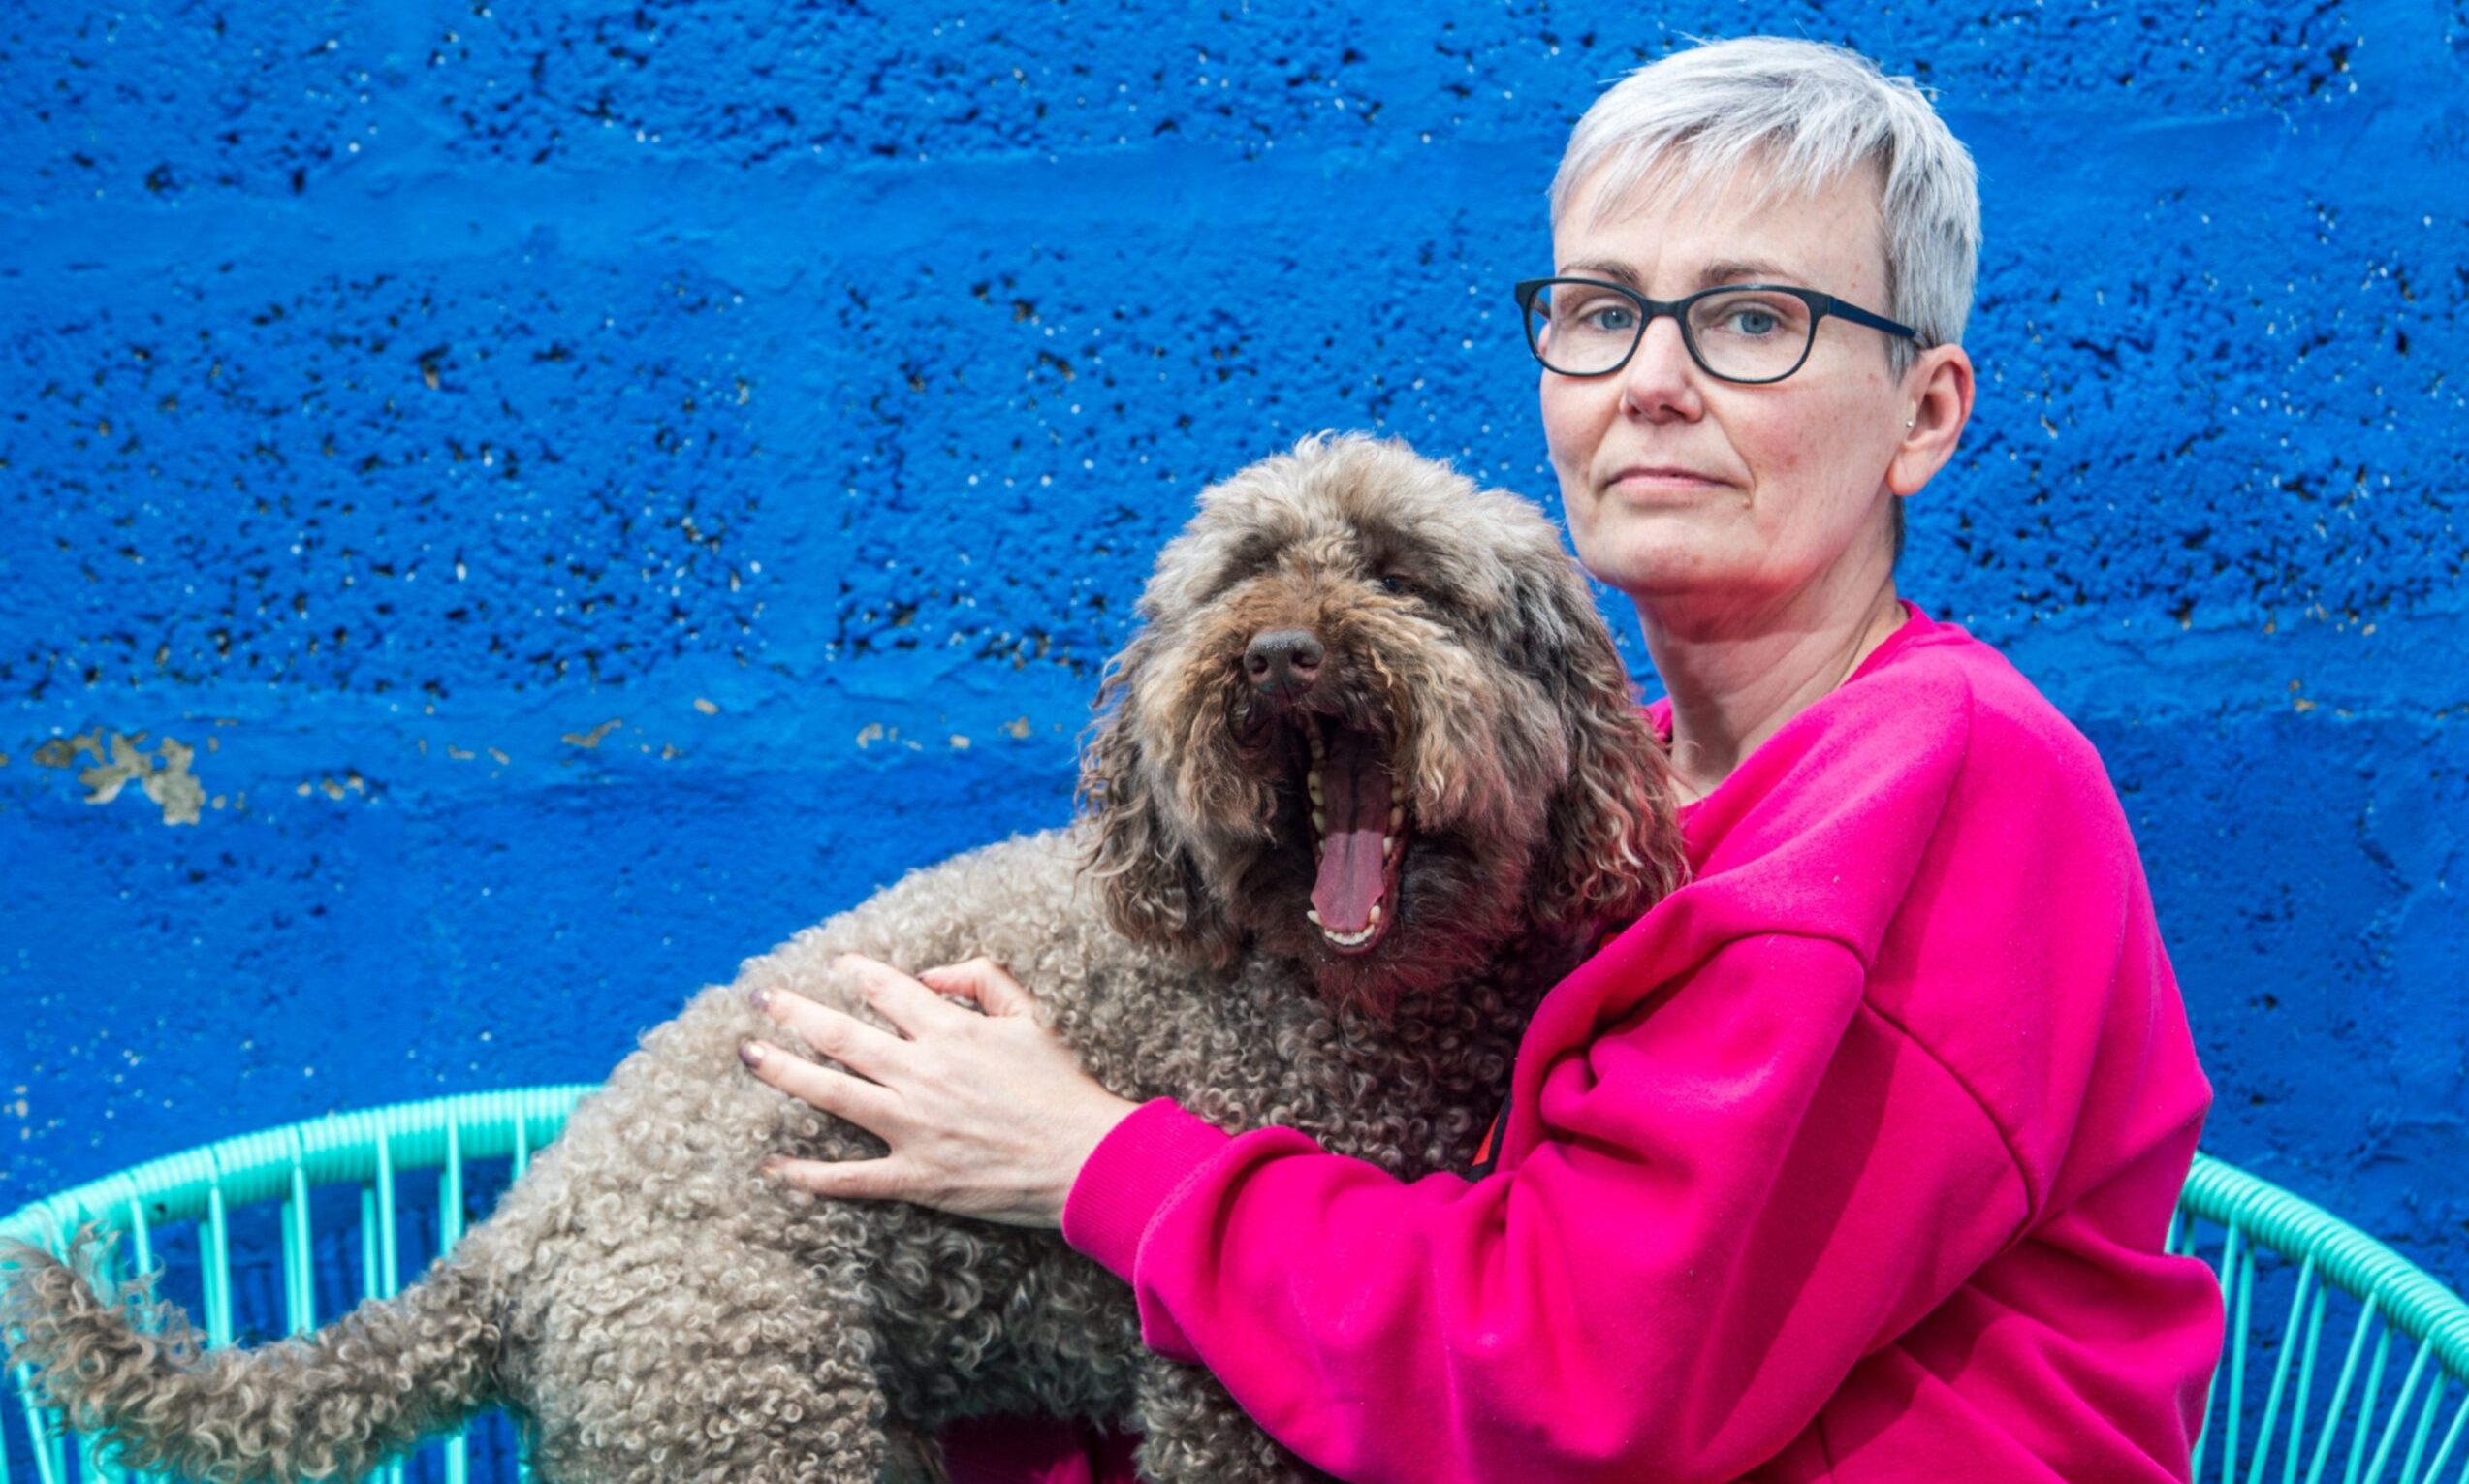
{"type": "Point", "coordinates": [164, 773]}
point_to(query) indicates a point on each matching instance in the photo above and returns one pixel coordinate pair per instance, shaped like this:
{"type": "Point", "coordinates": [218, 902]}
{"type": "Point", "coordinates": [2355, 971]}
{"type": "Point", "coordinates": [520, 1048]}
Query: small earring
{"type": "Point", "coordinates": [1907, 423]}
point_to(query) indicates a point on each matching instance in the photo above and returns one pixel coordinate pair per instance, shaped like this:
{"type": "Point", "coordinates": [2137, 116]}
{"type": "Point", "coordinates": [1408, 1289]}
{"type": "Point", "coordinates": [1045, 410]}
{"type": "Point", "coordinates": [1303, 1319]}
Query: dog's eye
{"type": "Point", "coordinates": [1399, 584]}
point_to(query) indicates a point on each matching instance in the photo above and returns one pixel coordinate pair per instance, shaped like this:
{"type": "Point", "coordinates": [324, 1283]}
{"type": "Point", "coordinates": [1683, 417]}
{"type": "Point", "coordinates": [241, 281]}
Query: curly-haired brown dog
{"type": "Point", "coordinates": [1367, 783]}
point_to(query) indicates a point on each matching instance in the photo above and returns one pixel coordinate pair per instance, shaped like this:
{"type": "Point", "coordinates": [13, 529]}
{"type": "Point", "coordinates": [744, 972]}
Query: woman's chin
{"type": "Point", "coordinates": [1662, 571]}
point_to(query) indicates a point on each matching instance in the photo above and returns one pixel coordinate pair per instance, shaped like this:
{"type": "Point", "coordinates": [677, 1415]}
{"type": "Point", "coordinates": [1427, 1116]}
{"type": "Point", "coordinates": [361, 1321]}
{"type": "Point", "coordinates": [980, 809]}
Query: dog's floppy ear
{"type": "Point", "coordinates": [1613, 847]}
{"type": "Point", "coordinates": [1148, 880]}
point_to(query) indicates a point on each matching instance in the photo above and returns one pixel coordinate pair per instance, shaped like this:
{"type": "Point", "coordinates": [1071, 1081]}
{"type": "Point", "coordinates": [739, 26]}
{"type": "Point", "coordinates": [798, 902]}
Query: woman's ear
{"type": "Point", "coordinates": [1937, 399]}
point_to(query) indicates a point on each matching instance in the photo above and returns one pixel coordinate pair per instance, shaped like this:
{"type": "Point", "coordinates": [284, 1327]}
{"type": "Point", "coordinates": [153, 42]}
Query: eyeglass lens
{"type": "Point", "coordinates": [1746, 335]}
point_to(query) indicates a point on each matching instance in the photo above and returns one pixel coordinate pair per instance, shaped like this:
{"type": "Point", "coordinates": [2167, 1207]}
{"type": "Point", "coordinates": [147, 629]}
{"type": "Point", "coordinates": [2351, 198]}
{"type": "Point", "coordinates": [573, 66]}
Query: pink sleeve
{"type": "Point", "coordinates": [1740, 1190]}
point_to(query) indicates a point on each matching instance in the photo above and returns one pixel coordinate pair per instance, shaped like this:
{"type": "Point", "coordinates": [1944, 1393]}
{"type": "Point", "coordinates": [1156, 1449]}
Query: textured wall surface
{"type": "Point", "coordinates": [513, 508]}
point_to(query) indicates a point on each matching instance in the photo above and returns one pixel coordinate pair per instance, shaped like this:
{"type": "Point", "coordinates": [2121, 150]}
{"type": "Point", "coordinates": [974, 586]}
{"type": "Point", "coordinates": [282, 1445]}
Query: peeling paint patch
{"type": "Point", "coordinates": [590, 739]}
{"type": "Point", "coordinates": [700, 704]}
{"type": "Point", "coordinates": [871, 734]}
{"type": "Point", "coordinates": [1018, 728]}
{"type": "Point", "coordinates": [166, 779]}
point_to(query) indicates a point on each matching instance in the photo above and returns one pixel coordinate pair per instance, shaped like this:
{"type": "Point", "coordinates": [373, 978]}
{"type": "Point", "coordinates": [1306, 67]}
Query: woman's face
{"type": "Point", "coordinates": [1689, 493]}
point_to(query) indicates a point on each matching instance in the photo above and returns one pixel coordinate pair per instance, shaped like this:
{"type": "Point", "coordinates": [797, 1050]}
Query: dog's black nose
{"type": "Point", "coordinates": [1283, 662]}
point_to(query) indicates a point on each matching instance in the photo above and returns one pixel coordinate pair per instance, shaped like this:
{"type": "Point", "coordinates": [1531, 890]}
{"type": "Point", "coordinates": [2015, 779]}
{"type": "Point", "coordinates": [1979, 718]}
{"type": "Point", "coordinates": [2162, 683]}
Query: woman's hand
{"type": "Point", "coordinates": [988, 1114]}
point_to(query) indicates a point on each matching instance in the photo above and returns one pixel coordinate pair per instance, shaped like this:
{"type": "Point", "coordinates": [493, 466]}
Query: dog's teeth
{"type": "Point", "coordinates": [1388, 846]}
{"type": "Point", "coordinates": [1376, 914]}
{"type": "Point", "coordinates": [1312, 781]}
{"type": "Point", "coordinates": [1314, 914]}
{"type": "Point", "coordinates": [1396, 816]}
{"type": "Point", "coordinates": [1353, 939]}
{"type": "Point", "coordinates": [1320, 821]}
{"type": "Point", "coordinates": [1319, 751]}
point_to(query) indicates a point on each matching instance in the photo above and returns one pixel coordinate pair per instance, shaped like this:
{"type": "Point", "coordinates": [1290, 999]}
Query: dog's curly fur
{"type": "Point", "coordinates": [666, 1313]}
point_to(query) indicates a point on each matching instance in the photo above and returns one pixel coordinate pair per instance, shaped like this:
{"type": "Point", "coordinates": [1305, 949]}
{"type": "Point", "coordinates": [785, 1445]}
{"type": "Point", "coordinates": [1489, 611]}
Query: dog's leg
{"type": "Point", "coordinates": [703, 1359]}
{"type": "Point", "coordinates": [1192, 1433]}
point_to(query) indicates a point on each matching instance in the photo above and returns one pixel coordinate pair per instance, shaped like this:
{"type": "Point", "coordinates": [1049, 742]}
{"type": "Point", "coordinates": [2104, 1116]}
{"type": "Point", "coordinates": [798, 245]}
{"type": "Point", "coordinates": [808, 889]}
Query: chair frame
{"type": "Point", "coordinates": [2256, 1223]}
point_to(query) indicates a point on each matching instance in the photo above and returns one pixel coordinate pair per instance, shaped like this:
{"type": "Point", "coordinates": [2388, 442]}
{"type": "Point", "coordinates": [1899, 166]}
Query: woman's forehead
{"type": "Point", "coordinates": [1675, 234]}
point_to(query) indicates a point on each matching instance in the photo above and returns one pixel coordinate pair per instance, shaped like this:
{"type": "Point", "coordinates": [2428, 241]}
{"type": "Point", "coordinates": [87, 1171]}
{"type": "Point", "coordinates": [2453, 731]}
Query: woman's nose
{"type": "Point", "coordinates": [1661, 379]}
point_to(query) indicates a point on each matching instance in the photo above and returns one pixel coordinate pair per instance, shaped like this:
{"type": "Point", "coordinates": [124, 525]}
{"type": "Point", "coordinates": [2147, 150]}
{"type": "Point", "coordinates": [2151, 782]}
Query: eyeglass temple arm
{"type": "Point", "coordinates": [1859, 316]}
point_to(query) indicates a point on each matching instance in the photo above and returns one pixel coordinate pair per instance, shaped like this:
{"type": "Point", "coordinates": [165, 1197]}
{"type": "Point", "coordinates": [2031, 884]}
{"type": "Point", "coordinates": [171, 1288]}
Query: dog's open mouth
{"type": "Point", "coordinates": [1358, 836]}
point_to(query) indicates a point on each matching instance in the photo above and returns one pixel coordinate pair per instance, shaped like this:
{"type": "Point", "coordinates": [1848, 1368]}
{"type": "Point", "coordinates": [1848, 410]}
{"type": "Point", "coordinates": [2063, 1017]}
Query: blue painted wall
{"type": "Point", "coordinates": [512, 507]}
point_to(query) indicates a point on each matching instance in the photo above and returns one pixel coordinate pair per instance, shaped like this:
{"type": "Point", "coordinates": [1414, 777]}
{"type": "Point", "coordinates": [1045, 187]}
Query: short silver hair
{"type": "Point", "coordinates": [1803, 116]}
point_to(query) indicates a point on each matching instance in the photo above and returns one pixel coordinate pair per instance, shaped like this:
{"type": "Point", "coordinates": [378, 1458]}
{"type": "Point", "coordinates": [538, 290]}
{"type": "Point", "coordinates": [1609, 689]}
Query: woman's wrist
{"type": "Point", "coordinates": [1084, 1129]}
{"type": "Point", "coordinates": [1130, 1174]}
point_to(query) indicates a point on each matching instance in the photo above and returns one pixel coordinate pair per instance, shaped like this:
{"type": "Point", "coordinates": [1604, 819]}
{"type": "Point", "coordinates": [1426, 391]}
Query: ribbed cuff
{"type": "Point", "coordinates": [1130, 1175]}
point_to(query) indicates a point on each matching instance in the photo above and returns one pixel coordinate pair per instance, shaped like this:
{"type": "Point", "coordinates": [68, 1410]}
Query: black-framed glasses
{"type": "Point", "coordinates": [1750, 332]}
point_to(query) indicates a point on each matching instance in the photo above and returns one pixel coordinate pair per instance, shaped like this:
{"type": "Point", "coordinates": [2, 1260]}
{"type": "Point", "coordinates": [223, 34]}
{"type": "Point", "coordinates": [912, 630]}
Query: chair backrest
{"type": "Point", "coordinates": [206, 1207]}
{"type": "Point", "coordinates": [2281, 1262]}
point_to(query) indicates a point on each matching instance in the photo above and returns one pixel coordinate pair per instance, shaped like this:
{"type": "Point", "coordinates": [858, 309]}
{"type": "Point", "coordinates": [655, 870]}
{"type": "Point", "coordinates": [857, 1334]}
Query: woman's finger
{"type": "Point", "coordinates": [862, 1048]}
{"type": "Point", "coordinates": [908, 1004]}
{"type": "Point", "coordinates": [844, 1179]}
{"type": "Point", "coordinates": [827, 1088]}
{"type": "Point", "coordinates": [982, 980]}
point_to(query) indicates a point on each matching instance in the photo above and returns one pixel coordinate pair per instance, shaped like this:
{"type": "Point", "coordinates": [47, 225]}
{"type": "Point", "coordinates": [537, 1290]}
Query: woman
{"type": "Point", "coordinates": [1852, 1159]}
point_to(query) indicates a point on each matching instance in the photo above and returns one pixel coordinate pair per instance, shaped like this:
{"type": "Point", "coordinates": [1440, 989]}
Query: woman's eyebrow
{"type": "Point", "coordinates": [1603, 267]}
{"type": "Point", "coordinates": [1719, 271]}
{"type": "Point", "coordinates": [1744, 271]}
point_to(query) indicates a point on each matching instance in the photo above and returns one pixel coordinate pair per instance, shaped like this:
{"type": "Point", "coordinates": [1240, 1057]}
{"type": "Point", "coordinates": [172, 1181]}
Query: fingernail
{"type": "Point", "coordinates": [760, 996]}
{"type": "Point", "coordinates": [750, 1053]}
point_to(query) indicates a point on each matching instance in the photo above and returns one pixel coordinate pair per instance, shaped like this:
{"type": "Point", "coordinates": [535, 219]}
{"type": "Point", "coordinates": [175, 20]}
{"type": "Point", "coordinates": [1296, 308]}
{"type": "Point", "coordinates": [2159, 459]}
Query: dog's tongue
{"type": "Point", "coordinates": [1354, 794]}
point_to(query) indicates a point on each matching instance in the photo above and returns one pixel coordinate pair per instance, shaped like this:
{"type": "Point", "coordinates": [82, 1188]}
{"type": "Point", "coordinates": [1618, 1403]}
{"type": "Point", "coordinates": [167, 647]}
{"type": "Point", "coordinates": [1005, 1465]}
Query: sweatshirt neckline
{"type": "Point", "coordinates": [1916, 625]}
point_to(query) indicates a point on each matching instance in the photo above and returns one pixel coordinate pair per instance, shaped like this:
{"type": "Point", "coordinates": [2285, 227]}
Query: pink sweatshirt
{"type": "Point", "coordinates": [1851, 1162]}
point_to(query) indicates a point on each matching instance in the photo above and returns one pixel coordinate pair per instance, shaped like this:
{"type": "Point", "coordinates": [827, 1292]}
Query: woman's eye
{"type": "Point", "coordinates": [1752, 322]}
{"type": "Point", "coordinates": [1609, 318]}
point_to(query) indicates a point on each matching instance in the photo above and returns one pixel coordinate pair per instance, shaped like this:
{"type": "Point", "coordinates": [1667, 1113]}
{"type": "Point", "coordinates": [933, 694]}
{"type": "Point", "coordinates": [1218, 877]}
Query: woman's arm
{"type": "Point", "coordinates": [1737, 1196]}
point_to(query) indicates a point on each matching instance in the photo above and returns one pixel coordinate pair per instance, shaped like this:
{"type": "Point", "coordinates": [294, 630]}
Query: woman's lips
{"type": "Point", "coordinates": [1647, 478]}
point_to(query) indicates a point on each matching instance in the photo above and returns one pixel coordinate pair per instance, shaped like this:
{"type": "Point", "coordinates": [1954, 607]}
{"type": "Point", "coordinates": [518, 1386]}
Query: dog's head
{"type": "Point", "coordinates": [1374, 723]}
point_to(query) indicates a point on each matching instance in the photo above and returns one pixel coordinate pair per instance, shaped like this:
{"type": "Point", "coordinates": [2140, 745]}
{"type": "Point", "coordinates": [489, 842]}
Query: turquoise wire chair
{"type": "Point", "coordinates": [2273, 1252]}
{"type": "Point", "coordinates": [372, 1149]}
